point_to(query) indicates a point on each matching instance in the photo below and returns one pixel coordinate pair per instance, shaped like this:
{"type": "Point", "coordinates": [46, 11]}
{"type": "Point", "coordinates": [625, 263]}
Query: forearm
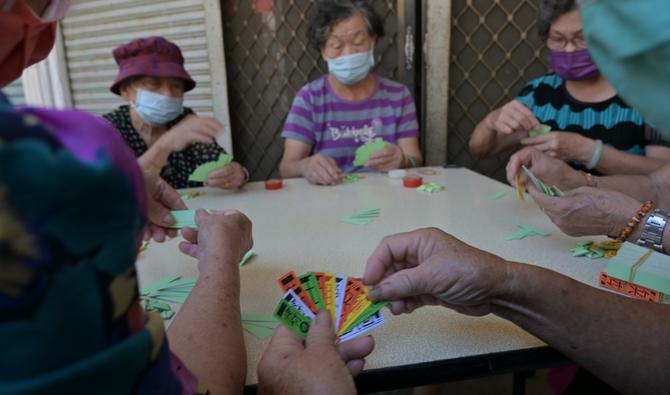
{"type": "Point", "coordinates": [207, 332]}
{"type": "Point", "coordinates": [486, 141]}
{"type": "Point", "coordinates": [620, 340]}
{"type": "Point", "coordinates": [155, 158]}
{"type": "Point", "coordinates": [291, 168]}
{"type": "Point", "coordinates": [614, 161]}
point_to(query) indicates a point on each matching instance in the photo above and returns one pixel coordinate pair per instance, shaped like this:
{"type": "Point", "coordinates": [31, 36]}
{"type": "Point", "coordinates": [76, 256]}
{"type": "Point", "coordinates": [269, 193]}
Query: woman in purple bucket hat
{"type": "Point", "coordinates": [167, 137]}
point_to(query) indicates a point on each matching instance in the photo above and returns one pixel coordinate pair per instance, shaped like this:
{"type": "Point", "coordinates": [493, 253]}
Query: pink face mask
{"type": "Point", "coordinates": [26, 37]}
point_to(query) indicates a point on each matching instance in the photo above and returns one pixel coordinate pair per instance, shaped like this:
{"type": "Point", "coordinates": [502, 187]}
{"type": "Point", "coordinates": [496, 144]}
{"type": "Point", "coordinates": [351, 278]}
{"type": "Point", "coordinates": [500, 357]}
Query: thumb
{"type": "Point", "coordinates": [403, 284]}
{"type": "Point", "coordinates": [321, 332]}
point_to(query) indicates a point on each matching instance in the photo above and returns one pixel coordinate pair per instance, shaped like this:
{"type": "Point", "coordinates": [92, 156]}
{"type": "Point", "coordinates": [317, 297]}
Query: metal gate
{"type": "Point", "coordinates": [495, 50]}
{"type": "Point", "coordinates": [268, 60]}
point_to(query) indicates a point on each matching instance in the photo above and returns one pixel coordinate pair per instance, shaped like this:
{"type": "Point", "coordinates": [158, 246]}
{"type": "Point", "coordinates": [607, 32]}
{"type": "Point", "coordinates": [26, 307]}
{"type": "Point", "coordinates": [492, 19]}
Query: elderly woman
{"type": "Point", "coordinates": [165, 136]}
{"type": "Point", "coordinates": [334, 115]}
{"type": "Point", "coordinates": [592, 127]}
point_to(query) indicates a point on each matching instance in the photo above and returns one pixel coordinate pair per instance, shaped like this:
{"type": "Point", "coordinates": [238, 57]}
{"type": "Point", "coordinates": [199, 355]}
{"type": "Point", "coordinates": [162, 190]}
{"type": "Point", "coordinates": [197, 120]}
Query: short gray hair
{"type": "Point", "coordinates": [549, 11]}
{"type": "Point", "coordinates": [330, 12]}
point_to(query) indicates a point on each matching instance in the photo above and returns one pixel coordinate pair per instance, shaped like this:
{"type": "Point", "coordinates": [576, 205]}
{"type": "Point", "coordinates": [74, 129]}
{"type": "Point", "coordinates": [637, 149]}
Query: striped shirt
{"type": "Point", "coordinates": [612, 121]}
{"type": "Point", "coordinates": [336, 127]}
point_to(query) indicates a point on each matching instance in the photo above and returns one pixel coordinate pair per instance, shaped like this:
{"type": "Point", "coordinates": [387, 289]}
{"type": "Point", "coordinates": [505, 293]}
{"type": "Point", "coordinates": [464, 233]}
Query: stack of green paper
{"type": "Point", "coordinates": [543, 129]}
{"type": "Point", "coordinates": [171, 289]}
{"type": "Point", "coordinates": [551, 191]}
{"type": "Point", "coordinates": [259, 325]}
{"type": "Point", "coordinates": [362, 217]}
{"type": "Point", "coordinates": [498, 195]}
{"type": "Point", "coordinates": [641, 266]}
{"type": "Point", "coordinates": [363, 152]}
{"type": "Point", "coordinates": [589, 249]}
{"type": "Point", "coordinates": [250, 254]}
{"type": "Point", "coordinates": [431, 187]}
{"type": "Point", "coordinates": [526, 231]}
{"type": "Point", "coordinates": [201, 172]}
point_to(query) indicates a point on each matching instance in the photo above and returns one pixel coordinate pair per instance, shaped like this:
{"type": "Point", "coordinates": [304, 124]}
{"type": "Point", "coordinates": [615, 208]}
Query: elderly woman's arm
{"type": "Point", "coordinates": [618, 339]}
{"type": "Point", "coordinates": [207, 332]}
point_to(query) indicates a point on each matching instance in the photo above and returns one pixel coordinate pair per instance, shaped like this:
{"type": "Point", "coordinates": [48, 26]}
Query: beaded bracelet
{"type": "Point", "coordinates": [632, 224]}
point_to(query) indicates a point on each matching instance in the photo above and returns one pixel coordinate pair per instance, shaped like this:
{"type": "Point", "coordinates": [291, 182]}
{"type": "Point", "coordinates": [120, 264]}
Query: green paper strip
{"type": "Point", "coordinates": [311, 285]}
{"type": "Point", "coordinates": [245, 259]}
{"type": "Point", "coordinates": [258, 331]}
{"type": "Point", "coordinates": [526, 231]}
{"type": "Point", "coordinates": [292, 318]}
{"type": "Point", "coordinates": [498, 195]}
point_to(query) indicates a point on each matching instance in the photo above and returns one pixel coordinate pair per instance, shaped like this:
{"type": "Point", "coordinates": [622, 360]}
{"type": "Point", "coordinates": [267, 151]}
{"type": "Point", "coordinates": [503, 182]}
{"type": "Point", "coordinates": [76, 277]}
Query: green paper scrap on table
{"type": "Point", "coordinates": [431, 187]}
{"type": "Point", "coordinates": [174, 289]}
{"type": "Point", "coordinates": [551, 191]}
{"type": "Point", "coordinates": [631, 265]}
{"type": "Point", "coordinates": [498, 195]}
{"type": "Point", "coordinates": [590, 249]}
{"type": "Point", "coordinates": [260, 325]}
{"type": "Point", "coordinates": [526, 231]}
{"type": "Point", "coordinates": [245, 259]}
{"type": "Point", "coordinates": [351, 178]}
{"type": "Point", "coordinates": [201, 172]}
{"type": "Point", "coordinates": [363, 152]}
{"type": "Point", "coordinates": [362, 217]}
{"type": "Point", "coordinates": [543, 129]}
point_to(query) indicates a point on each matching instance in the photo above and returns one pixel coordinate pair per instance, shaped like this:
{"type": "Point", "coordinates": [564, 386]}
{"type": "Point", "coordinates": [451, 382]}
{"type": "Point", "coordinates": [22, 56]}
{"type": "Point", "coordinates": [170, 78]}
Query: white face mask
{"type": "Point", "coordinates": [352, 69]}
{"type": "Point", "coordinates": [156, 109]}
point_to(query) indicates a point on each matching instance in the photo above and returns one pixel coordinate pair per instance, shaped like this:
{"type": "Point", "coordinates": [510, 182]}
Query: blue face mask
{"type": "Point", "coordinates": [351, 69]}
{"type": "Point", "coordinates": [156, 109]}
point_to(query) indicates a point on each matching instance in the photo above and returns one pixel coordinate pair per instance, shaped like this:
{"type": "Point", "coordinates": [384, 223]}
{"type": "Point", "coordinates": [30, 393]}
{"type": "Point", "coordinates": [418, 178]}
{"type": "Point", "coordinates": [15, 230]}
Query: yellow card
{"type": "Point", "coordinates": [519, 188]}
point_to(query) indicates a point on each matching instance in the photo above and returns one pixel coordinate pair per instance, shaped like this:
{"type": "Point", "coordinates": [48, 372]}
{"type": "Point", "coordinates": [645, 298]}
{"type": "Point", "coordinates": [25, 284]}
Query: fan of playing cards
{"type": "Point", "coordinates": [346, 298]}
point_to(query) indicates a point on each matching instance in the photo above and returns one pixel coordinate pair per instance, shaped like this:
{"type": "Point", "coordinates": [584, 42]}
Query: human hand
{"type": "Point", "coordinates": [588, 211]}
{"type": "Point", "coordinates": [430, 267]}
{"type": "Point", "coordinates": [552, 171]}
{"type": "Point", "coordinates": [191, 130]}
{"type": "Point", "coordinates": [389, 158]}
{"type": "Point", "coordinates": [162, 199]}
{"type": "Point", "coordinates": [232, 176]}
{"type": "Point", "coordinates": [220, 235]}
{"type": "Point", "coordinates": [316, 367]}
{"type": "Point", "coordinates": [512, 117]}
{"type": "Point", "coordinates": [321, 170]}
{"type": "Point", "coordinates": [563, 145]}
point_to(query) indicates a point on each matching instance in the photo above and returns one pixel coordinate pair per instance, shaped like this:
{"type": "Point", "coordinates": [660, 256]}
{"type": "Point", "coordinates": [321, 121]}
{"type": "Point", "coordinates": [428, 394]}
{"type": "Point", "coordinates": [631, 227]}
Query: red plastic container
{"type": "Point", "coordinates": [272, 185]}
{"type": "Point", "coordinates": [412, 182]}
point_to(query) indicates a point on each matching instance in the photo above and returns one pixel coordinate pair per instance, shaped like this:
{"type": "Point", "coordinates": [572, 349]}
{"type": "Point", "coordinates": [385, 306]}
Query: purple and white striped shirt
{"type": "Point", "coordinates": [336, 127]}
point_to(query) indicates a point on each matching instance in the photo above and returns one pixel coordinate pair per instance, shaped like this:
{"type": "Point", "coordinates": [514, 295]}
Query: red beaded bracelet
{"type": "Point", "coordinates": [632, 224]}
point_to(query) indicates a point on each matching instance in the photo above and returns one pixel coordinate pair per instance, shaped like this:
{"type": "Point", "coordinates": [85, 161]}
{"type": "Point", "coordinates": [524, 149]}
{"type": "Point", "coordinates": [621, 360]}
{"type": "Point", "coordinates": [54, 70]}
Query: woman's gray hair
{"type": "Point", "coordinates": [549, 11]}
{"type": "Point", "coordinates": [330, 12]}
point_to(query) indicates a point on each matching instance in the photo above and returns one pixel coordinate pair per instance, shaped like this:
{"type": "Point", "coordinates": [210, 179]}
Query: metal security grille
{"type": "Point", "coordinates": [268, 60]}
{"type": "Point", "coordinates": [495, 51]}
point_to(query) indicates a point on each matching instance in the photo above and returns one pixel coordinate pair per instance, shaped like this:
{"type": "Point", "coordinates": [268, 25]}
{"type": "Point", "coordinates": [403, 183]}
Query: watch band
{"type": "Point", "coordinates": [652, 234]}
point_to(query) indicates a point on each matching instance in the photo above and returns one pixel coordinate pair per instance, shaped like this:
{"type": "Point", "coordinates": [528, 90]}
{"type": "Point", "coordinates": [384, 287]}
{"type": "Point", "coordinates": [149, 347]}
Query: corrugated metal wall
{"type": "Point", "coordinates": [93, 28]}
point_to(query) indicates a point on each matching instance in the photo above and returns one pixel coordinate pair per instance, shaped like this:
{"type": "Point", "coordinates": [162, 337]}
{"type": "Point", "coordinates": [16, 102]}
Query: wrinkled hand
{"type": "Point", "coordinates": [222, 236]}
{"type": "Point", "coordinates": [321, 170]}
{"type": "Point", "coordinates": [387, 159]}
{"type": "Point", "coordinates": [191, 130]}
{"type": "Point", "coordinates": [162, 199]}
{"type": "Point", "coordinates": [316, 367]}
{"type": "Point", "coordinates": [566, 146]}
{"type": "Point", "coordinates": [430, 267]}
{"type": "Point", "coordinates": [552, 171]}
{"type": "Point", "coordinates": [232, 176]}
{"type": "Point", "coordinates": [588, 211]}
{"type": "Point", "coordinates": [511, 118]}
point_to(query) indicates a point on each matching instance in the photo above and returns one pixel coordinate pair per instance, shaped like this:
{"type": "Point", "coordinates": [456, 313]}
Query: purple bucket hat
{"type": "Point", "coordinates": [150, 57]}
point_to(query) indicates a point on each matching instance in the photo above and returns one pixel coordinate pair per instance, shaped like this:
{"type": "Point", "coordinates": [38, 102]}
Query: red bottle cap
{"type": "Point", "coordinates": [271, 185]}
{"type": "Point", "coordinates": [412, 182]}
